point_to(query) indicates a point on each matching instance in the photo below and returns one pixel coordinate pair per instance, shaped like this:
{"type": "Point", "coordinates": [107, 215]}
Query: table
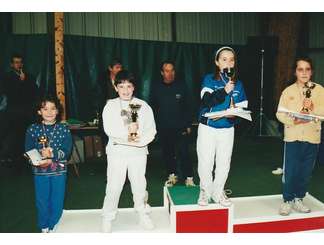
{"type": "Point", "coordinates": [82, 132]}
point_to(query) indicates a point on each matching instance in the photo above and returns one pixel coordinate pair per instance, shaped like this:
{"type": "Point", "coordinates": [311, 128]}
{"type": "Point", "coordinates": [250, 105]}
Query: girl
{"type": "Point", "coordinates": [54, 142]}
{"type": "Point", "coordinates": [215, 137]}
{"type": "Point", "coordinates": [301, 137]}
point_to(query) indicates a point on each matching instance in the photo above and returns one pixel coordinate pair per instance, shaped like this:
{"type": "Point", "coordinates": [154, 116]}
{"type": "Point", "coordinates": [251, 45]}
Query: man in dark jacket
{"type": "Point", "coordinates": [21, 92]}
{"type": "Point", "coordinates": [172, 111]}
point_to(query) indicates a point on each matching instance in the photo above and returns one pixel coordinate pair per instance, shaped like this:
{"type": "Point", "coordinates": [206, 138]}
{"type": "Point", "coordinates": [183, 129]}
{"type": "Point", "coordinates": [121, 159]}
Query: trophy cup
{"type": "Point", "coordinates": [134, 115]}
{"type": "Point", "coordinates": [229, 73]}
{"type": "Point", "coordinates": [309, 86]}
{"type": "Point", "coordinates": [43, 140]}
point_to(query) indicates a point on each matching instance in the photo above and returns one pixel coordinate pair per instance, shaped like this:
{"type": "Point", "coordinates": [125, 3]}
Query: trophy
{"type": "Point", "coordinates": [134, 115]}
{"type": "Point", "coordinates": [43, 140]}
{"type": "Point", "coordinates": [229, 73]}
{"type": "Point", "coordinates": [309, 86]}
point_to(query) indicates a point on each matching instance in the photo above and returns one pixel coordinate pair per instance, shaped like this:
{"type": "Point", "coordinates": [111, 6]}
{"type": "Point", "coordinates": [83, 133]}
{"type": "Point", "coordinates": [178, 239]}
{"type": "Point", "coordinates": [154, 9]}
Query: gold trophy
{"type": "Point", "coordinates": [43, 140]}
{"type": "Point", "coordinates": [309, 86]}
{"type": "Point", "coordinates": [229, 73]}
{"type": "Point", "coordinates": [134, 115]}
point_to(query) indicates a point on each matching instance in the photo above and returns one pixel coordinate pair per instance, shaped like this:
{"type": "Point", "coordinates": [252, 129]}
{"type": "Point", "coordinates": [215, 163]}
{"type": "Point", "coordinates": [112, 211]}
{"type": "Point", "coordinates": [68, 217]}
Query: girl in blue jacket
{"type": "Point", "coordinates": [216, 136]}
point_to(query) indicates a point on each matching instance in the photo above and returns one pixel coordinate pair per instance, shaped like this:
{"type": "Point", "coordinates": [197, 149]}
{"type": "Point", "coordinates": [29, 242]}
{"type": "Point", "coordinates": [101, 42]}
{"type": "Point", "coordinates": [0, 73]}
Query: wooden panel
{"type": "Point", "coordinates": [286, 26]}
{"type": "Point", "coordinates": [59, 59]}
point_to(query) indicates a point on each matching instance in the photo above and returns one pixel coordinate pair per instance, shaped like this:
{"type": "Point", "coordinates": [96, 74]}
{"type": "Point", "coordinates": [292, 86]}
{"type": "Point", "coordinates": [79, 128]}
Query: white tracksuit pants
{"type": "Point", "coordinates": [214, 145]}
{"type": "Point", "coordinates": [118, 166]}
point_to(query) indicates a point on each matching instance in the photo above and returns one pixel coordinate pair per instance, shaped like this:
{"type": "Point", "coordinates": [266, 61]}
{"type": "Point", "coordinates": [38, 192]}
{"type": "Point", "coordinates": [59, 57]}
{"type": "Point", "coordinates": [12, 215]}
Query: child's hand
{"type": "Point", "coordinates": [45, 163]}
{"type": "Point", "coordinates": [133, 138]}
{"type": "Point", "coordinates": [300, 121]}
{"type": "Point", "coordinates": [229, 87]}
{"type": "Point", "coordinates": [133, 128]}
{"type": "Point", "coordinates": [47, 152]}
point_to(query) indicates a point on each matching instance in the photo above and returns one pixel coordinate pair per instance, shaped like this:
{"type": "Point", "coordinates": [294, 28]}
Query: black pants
{"type": "Point", "coordinates": [13, 135]}
{"type": "Point", "coordinates": [175, 147]}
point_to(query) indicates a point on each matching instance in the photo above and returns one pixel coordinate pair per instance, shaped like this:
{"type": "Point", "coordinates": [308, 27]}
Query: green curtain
{"type": "Point", "coordinates": [87, 58]}
{"type": "Point", "coordinates": [37, 51]}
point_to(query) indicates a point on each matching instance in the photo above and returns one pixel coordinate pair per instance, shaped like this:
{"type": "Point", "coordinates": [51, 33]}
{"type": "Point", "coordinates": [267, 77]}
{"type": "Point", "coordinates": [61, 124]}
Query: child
{"type": "Point", "coordinates": [54, 142]}
{"type": "Point", "coordinates": [127, 149]}
{"type": "Point", "coordinates": [215, 137]}
{"type": "Point", "coordinates": [301, 137]}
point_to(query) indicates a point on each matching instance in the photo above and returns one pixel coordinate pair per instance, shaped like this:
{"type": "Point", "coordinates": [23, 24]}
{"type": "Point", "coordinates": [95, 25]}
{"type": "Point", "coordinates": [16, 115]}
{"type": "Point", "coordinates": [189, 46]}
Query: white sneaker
{"type": "Point", "coordinates": [285, 208]}
{"type": "Point", "coordinates": [299, 206]}
{"type": "Point", "coordinates": [223, 199]}
{"type": "Point", "coordinates": [189, 182]}
{"type": "Point", "coordinates": [203, 198]}
{"type": "Point", "coordinates": [53, 230]}
{"type": "Point", "coordinates": [45, 230]}
{"type": "Point", "coordinates": [277, 171]}
{"type": "Point", "coordinates": [106, 226]}
{"type": "Point", "coordinates": [146, 222]}
{"type": "Point", "coordinates": [172, 180]}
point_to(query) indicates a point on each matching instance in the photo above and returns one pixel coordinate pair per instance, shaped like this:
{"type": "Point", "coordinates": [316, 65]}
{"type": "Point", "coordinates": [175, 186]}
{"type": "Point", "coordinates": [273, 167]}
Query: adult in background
{"type": "Point", "coordinates": [172, 111]}
{"type": "Point", "coordinates": [108, 91]}
{"type": "Point", "coordinates": [21, 91]}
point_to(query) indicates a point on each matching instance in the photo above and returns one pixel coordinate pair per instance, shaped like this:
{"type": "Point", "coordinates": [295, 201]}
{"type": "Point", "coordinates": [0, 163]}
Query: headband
{"type": "Point", "coordinates": [221, 49]}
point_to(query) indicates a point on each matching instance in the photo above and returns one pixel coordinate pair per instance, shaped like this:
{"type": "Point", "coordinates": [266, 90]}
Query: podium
{"type": "Point", "coordinates": [180, 213]}
{"type": "Point", "coordinates": [187, 216]}
{"type": "Point", "coordinates": [253, 214]}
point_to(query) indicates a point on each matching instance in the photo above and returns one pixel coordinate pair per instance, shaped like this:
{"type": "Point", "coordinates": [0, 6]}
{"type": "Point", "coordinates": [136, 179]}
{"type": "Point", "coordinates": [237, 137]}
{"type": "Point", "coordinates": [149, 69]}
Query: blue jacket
{"type": "Point", "coordinates": [60, 140]}
{"type": "Point", "coordinates": [214, 98]}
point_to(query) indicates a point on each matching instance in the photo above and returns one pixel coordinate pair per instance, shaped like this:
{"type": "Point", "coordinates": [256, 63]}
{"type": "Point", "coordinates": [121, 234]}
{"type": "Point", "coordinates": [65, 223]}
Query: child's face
{"type": "Point", "coordinates": [125, 90]}
{"type": "Point", "coordinates": [303, 71]}
{"type": "Point", "coordinates": [48, 112]}
{"type": "Point", "coordinates": [226, 59]}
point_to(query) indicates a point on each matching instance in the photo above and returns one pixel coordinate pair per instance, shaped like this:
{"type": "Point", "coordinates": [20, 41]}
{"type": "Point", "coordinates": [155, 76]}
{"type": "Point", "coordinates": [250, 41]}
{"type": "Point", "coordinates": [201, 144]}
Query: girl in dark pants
{"type": "Point", "coordinates": [302, 136]}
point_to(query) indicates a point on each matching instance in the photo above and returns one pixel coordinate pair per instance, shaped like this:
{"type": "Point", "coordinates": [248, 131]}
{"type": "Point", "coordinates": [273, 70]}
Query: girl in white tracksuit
{"type": "Point", "coordinates": [215, 137]}
{"type": "Point", "coordinates": [127, 150]}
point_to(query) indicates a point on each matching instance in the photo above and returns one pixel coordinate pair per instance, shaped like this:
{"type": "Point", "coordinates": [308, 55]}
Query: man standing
{"type": "Point", "coordinates": [21, 92]}
{"type": "Point", "coordinates": [172, 110]}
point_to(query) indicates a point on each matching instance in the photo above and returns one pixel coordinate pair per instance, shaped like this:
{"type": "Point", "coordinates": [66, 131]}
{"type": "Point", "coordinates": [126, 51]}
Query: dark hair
{"type": "Point", "coordinates": [16, 55]}
{"type": "Point", "coordinates": [217, 54]}
{"type": "Point", "coordinates": [115, 61]}
{"type": "Point", "coordinates": [165, 62]}
{"type": "Point", "coordinates": [49, 98]}
{"type": "Point", "coordinates": [123, 76]}
{"type": "Point", "coordinates": [294, 67]}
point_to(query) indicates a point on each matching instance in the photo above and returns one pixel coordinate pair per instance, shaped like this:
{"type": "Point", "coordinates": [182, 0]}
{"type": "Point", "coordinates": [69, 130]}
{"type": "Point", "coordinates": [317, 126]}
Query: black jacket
{"type": "Point", "coordinates": [21, 95]}
{"type": "Point", "coordinates": [170, 104]}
